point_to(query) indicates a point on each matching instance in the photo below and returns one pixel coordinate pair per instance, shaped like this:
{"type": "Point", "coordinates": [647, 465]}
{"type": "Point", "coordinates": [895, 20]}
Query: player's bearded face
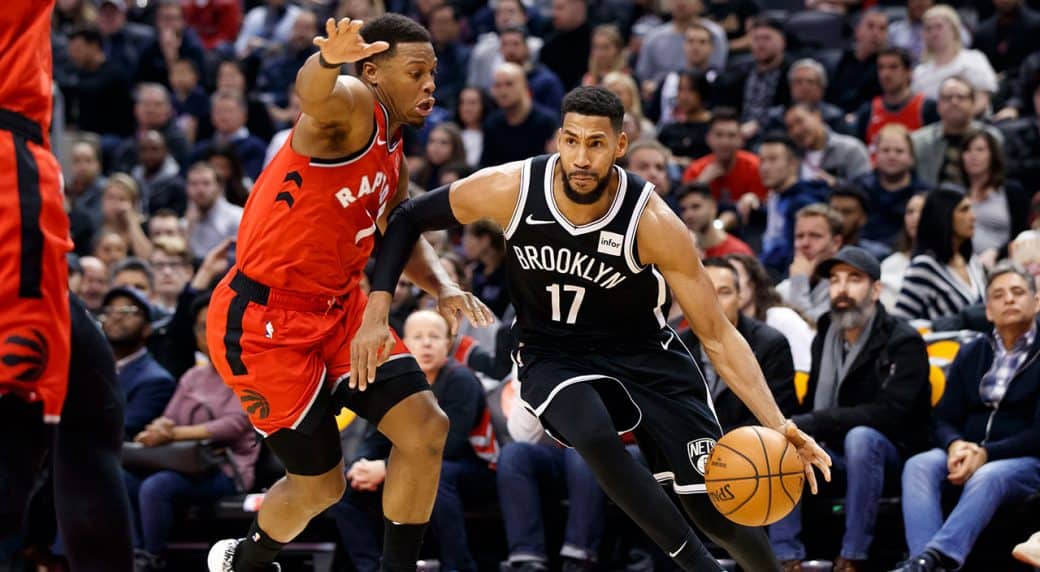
{"type": "Point", "coordinates": [583, 178]}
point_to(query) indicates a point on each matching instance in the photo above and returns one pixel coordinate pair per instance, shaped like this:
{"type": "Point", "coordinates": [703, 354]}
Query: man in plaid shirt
{"type": "Point", "coordinates": [987, 431]}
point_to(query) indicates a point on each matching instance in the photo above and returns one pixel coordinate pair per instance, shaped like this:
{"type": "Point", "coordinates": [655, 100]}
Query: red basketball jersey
{"type": "Point", "coordinates": [910, 116]}
{"type": "Point", "coordinates": [25, 58]}
{"type": "Point", "coordinates": [309, 223]}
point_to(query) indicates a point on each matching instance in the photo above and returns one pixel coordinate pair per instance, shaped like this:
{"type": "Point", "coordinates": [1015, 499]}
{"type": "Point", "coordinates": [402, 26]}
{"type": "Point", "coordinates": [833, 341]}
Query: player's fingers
{"type": "Point", "coordinates": [388, 348]}
{"type": "Point", "coordinates": [373, 364]}
{"type": "Point", "coordinates": [375, 48]}
{"type": "Point", "coordinates": [472, 311]}
{"type": "Point", "coordinates": [810, 476]}
{"type": "Point", "coordinates": [483, 312]}
{"type": "Point", "coordinates": [355, 364]}
{"type": "Point", "coordinates": [343, 26]}
{"type": "Point", "coordinates": [330, 27]}
{"type": "Point", "coordinates": [319, 41]}
{"type": "Point", "coordinates": [825, 468]}
{"type": "Point", "coordinates": [822, 454]}
{"type": "Point", "coordinates": [451, 316]}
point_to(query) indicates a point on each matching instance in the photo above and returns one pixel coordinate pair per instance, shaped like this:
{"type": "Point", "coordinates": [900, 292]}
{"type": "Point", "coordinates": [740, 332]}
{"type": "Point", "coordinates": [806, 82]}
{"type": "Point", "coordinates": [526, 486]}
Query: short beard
{"type": "Point", "coordinates": [892, 179]}
{"type": "Point", "coordinates": [586, 198]}
{"type": "Point", "coordinates": [854, 316]}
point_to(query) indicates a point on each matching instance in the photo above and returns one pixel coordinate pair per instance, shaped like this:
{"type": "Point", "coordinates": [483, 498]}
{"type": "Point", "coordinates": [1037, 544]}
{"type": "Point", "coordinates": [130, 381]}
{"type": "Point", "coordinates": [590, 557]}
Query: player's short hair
{"type": "Point", "coordinates": [597, 102]}
{"type": "Point", "coordinates": [393, 29]}
{"type": "Point", "coordinates": [824, 210]}
{"type": "Point", "coordinates": [718, 262]}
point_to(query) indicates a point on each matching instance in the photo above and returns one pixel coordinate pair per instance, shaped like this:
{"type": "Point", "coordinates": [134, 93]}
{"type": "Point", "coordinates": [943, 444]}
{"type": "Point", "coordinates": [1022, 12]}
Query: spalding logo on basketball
{"type": "Point", "coordinates": [754, 476]}
{"type": "Point", "coordinates": [699, 451]}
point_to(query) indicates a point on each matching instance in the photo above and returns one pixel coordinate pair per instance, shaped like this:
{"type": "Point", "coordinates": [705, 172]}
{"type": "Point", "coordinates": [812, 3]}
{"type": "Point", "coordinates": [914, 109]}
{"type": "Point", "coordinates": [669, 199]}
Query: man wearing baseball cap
{"type": "Point", "coordinates": [868, 401]}
{"type": "Point", "coordinates": [126, 318]}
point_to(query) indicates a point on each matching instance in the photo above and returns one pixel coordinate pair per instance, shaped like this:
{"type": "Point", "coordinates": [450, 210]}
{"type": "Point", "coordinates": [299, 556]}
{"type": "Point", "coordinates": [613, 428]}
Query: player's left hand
{"type": "Point", "coordinates": [810, 452]}
{"type": "Point", "coordinates": [451, 300]}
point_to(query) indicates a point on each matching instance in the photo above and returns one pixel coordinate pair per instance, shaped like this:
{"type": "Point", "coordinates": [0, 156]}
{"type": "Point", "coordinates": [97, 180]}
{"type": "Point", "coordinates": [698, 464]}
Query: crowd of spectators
{"type": "Point", "coordinates": [900, 137]}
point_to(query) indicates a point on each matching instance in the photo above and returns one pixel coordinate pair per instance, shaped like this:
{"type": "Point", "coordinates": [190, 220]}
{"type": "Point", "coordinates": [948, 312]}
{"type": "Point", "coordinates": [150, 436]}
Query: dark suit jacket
{"type": "Point", "coordinates": [147, 388]}
{"type": "Point", "coordinates": [886, 388]}
{"type": "Point", "coordinates": [1012, 429]}
{"type": "Point", "coordinates": [774, 357]}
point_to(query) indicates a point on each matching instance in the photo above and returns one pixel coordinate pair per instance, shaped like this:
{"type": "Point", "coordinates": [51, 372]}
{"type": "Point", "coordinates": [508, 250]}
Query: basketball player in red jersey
{"type": "Point", "coordinates": [42, 330]}
{"type": "Point", "coordinates": [281, 321]}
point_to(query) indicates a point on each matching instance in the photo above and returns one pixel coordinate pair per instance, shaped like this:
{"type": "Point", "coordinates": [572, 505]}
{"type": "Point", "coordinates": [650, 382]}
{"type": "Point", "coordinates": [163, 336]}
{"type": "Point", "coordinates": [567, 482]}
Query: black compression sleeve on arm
{"type": "Point", "coordinates": [429, 211]}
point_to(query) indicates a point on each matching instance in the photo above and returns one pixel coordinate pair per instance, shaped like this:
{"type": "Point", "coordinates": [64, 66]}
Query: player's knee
{"type": "Point", "coordinates": [429, 433]}
{"type": "Point", "coordinates": [318, 493]}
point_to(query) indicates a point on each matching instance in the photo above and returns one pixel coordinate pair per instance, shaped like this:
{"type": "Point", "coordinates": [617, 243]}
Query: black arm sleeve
{"type": "Point", "coordinates": [429, 211]}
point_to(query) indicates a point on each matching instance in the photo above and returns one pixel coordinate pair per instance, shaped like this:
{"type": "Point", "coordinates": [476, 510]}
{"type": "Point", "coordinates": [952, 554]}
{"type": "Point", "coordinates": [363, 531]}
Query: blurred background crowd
{"type": "Point", "coordinates": [779, 131]}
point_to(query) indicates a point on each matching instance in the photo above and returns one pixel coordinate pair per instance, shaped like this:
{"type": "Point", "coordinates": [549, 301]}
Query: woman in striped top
{"type": "Point", "coordinates": [944, 276]}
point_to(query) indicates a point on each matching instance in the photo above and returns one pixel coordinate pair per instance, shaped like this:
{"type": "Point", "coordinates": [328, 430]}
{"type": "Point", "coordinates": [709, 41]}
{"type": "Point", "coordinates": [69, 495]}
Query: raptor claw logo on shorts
{"type": "Point", "coordinates": [26, 355]}
{"type": "Point", "coordinates": [255, 404]}
{"type": "Point", "coordinates": [699, 451]}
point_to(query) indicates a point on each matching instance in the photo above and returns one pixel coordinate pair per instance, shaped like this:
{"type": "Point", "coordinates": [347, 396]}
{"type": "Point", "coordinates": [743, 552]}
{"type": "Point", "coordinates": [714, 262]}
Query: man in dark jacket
{"type": "Point", "coordinates": [126, 318]}
{"type": "Point", "coordinates": [770, 347]}
{"type": "Point", "coordinates": [867, 402]}
{"type": "Point", "coordinates": [987, 431]}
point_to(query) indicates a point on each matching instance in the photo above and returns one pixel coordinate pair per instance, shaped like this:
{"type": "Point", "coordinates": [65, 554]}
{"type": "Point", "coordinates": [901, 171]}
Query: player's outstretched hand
{"type": "Point", "coordinates": [810, 452]}
{"type": "Point", "coordinates": [453, 300]}
{"type": "Point", "coordinates": [344, 44]}
{"type": "Point", "coordinates": [370, 347]}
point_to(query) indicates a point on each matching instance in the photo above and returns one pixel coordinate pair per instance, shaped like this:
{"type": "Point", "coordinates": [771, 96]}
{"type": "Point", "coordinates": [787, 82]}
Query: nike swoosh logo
{"type": "Point", "coordinates": [665, 345]}
{"type": "Point", "coordinates": [533, 221]}
{"type": "Point", "coordinates": [380, 141]}
{"type": "Point", "coordinates": [678, 550]}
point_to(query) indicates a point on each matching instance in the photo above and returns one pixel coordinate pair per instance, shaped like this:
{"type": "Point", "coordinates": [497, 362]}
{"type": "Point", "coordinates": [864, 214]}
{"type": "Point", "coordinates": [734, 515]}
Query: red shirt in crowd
{"type": "Point", "coordinates": [215, 21]}
{"type": "Point", "coordinates": [732, 245]}
{"type": "Point", "coordinates": [742, 178]}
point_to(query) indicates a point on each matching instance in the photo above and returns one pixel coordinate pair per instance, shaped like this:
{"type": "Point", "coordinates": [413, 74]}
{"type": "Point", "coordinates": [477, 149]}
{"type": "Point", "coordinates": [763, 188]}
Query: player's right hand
{"type": "Point", "coordinates": [372, 342]}
{"type": "Point", "coordinates": [810, 452]}
{"type": "Point", "coordinates": [344, 44]}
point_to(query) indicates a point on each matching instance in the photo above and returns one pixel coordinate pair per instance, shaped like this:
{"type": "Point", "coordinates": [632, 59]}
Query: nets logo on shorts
{"type": "Point", "coordinates": [699, 451]}
{"type": "Point", "coordinates": [255, 404]}
{"type": "Point", "coordinates": [26, 355]}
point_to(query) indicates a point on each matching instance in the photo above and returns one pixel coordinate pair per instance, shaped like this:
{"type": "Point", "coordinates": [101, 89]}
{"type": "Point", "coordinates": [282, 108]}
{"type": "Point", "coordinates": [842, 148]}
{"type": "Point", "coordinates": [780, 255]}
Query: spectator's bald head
{"type": "Point", "coordinates": [509, 87]}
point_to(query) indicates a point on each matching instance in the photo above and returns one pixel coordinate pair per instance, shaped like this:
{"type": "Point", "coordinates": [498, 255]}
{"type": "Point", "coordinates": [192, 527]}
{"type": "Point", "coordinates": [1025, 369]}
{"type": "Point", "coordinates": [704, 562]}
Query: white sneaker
{"type": "Point", "coordinates": [222, 556]}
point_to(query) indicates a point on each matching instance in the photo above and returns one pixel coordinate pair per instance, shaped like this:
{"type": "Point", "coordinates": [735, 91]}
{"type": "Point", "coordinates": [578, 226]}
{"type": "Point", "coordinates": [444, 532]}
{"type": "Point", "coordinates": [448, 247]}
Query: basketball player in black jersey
{"type": "Point", "coordinates": [592, 253]}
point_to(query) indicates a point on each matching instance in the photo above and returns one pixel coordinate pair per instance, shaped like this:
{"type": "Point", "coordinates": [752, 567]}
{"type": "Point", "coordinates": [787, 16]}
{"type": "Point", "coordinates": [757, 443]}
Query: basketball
{"type": "Point", "coordinates": [754, 476]}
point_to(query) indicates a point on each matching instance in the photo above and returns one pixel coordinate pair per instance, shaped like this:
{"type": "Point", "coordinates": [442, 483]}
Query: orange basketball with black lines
{"type": "Point", "coordinates": [754, 476]}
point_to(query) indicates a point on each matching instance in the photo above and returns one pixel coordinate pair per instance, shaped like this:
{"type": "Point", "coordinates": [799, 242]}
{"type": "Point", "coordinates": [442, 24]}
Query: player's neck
{"type": "Point", "coordinates": [579, 214]}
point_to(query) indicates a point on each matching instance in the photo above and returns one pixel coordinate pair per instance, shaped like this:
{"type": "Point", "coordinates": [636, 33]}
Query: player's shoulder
{"type": "Point", "coordinates": [499, 177]}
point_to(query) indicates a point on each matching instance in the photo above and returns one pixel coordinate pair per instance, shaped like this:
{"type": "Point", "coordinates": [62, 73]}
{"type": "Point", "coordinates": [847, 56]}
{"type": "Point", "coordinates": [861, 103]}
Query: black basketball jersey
{"type": "Point", "coordinates": [581, 287]}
